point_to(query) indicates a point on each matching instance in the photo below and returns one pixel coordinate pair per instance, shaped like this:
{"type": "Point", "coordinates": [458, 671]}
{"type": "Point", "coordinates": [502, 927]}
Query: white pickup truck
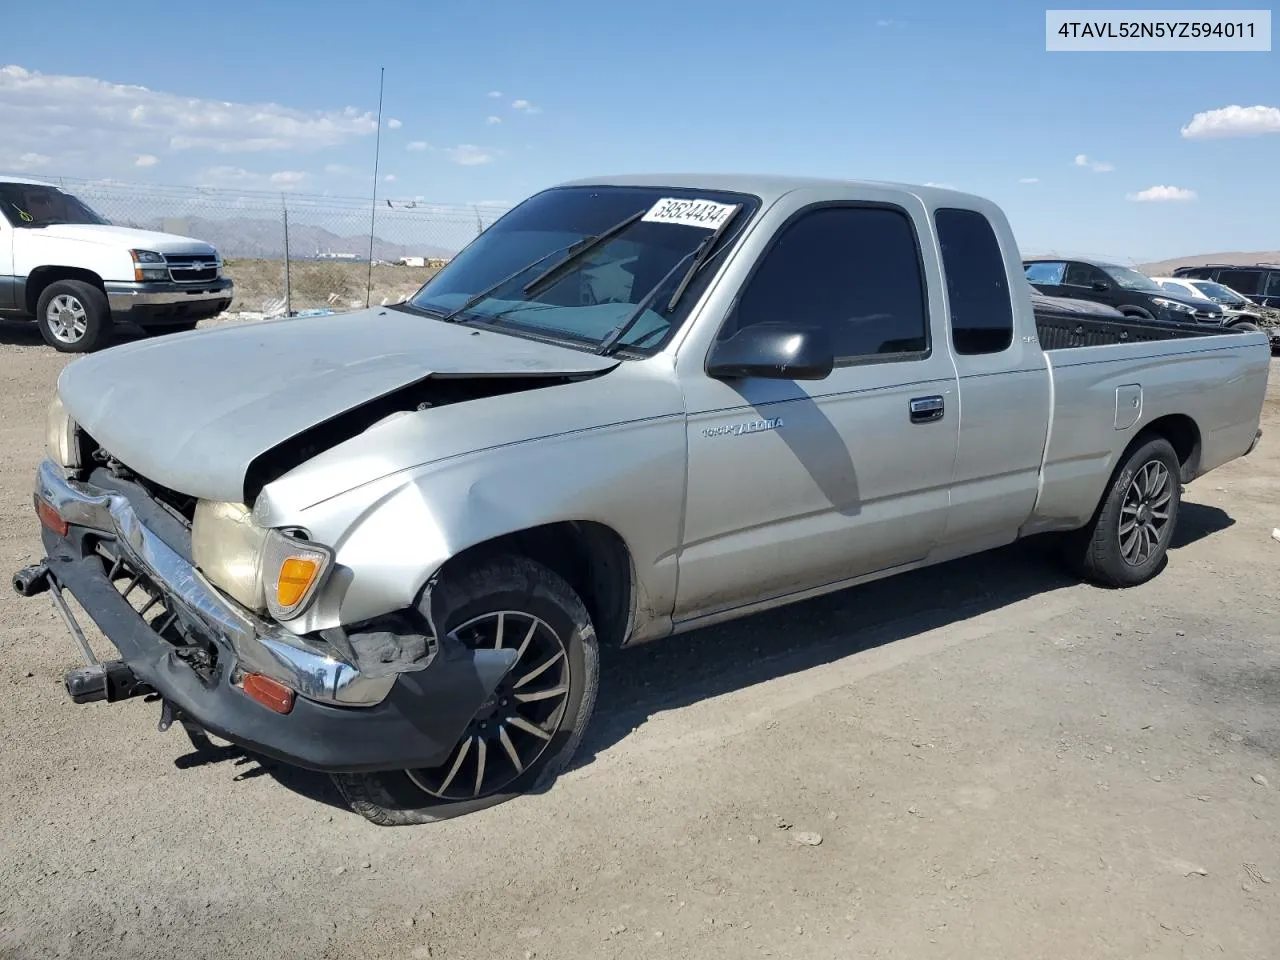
{"type": "Point", "coordinates": [78, 275]}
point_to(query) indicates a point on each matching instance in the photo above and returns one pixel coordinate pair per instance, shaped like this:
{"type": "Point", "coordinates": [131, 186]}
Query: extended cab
{"type": "Point", "coordinates": [390, 544]}
{"type": "Point", "coordinates": [77, 275]}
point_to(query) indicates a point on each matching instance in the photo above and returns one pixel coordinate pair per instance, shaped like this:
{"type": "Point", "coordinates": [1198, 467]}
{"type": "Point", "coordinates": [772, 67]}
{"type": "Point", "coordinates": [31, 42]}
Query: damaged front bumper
{"type": "Point", "coordinates": [194, 647]}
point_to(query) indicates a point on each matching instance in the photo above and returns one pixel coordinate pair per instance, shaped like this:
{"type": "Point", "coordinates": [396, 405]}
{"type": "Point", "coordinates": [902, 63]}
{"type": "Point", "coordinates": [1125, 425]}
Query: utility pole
{"type": "Point", "coordinates": [288, 296]}
{"type": "Point", "coordinates": [373, 208]}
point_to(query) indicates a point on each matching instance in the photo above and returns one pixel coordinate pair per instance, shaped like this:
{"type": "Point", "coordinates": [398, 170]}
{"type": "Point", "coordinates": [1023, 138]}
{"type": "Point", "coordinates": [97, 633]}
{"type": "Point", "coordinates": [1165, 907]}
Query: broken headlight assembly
{"type": "Point", "coordinates": [60, 436]}
{"type": "Point", "coordinates": [264, 569]}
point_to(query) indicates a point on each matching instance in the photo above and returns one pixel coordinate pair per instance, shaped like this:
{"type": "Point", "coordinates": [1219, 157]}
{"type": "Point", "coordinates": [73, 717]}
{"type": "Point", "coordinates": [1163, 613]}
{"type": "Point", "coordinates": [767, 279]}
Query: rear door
{"type": "Point", "coordinates": [797, 485]}
{"type": "Point", "coordinates": [1003, 385]}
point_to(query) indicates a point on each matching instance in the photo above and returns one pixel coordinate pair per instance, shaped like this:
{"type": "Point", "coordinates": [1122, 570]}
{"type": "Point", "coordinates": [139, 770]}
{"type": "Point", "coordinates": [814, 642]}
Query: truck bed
{"type": "Point", "coordinates": [1062, 329]}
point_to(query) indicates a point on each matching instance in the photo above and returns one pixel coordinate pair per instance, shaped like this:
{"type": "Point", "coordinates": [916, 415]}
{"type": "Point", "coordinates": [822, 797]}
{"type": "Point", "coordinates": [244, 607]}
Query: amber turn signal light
{"type": "Point", "coordinates": [272, 694]}
{"type": "Point", "coordinates": [296, 576]}
{"type": "Point", "coordinates": [50, 518]}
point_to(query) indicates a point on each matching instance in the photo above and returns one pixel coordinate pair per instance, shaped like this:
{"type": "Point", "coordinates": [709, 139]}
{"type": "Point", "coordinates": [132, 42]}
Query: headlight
{"type": "Point", "coordinates": [60, 436]}
{"type": "Point", "coordinates": [263, 569]}
{"type": "Point", "coordinates": [292, 571]}
{"type": "Point", "coordinates": [142, 271]}
{"type": "Point", "coordinates": [226, 546]}
{"type": "Point", "coordinates": [1173, 305]}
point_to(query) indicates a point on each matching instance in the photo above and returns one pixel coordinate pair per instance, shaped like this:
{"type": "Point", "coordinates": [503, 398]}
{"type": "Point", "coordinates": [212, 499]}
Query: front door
{"type": "Point", "coordinates": [8, 282]}
{"type": "Point", "coordinates": [795, 485]}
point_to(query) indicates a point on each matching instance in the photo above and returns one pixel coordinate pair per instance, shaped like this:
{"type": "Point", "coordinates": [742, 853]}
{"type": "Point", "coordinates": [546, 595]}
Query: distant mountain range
{"type": "Point", "coordinates": [248, 238]}
{"type": "Point", "coordinates": [1163, 268]}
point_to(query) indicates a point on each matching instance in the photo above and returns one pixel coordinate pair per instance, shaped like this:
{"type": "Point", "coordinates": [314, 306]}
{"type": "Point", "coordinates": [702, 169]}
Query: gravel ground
{"type": "Point", "coordinates": [982, 760]}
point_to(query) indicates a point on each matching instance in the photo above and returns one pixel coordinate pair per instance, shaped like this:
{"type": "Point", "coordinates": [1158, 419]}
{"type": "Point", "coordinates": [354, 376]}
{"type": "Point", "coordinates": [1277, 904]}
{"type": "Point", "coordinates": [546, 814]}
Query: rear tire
{"type": "Point", "coordinates": [542, 615]}
{"type": "Point", "coordinates": [74, 316]}
{"type": "Point", "coordinates": [1136, 313]}
{"type": "Point", "coordinates": [1127, 540]}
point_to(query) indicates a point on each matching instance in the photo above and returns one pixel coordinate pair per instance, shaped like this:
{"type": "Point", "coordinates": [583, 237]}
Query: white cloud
{"type": "Point", "coordinates": [84, 124]}
{"type": "Point", "coordinates": [226, 175]}
{"type": "Point", "coordinates": [944, 186]}
{"type": "Point", "coordinates": [496, 94]}
{"type": "Point", "coordinates": [1029, 180]}
{"type": "Point", "coordinates": [1162, 194]}
{"type": "Point", "coordinates": [890, 23]}
{"type": "Point", "coordinates": [31, 161]}
{"type": "Point", "coordinates": [338, 169]}
{"type": "Point", "coordinates": [1233, 121]}
{"type": "Point", "coordinates": [524, 106]}
{"type": "Point", "coordinates": [394, 124]}
{"type": "Point", "coordinates": [468, 154]}
{"type": "Point", "coordinates": [492, 120]}
{"type": "Point", "coordinates": [145, 160]}
{"type": "Point", "coordinates": [1097, 166]}
{"type": "Point", "coordinates": [418, 145]}
{"type": "Point", "coordinates": [390, 178]}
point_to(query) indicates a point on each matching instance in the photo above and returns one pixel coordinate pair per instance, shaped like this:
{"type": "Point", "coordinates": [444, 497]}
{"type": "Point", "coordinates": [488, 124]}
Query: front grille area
{"type": "Point", "coordinates": [191, 268]}
{"type": "Point", "coordinates": [155, 610]}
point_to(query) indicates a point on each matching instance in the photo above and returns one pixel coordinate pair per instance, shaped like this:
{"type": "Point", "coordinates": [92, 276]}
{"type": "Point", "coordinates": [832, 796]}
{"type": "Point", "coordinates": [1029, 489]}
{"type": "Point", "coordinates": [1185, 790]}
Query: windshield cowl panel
{"type": "Point", "coordinates": [629, 242]}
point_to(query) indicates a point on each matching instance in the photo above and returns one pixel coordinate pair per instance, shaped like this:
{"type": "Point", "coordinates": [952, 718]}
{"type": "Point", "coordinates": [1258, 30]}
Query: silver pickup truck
{"type": "Point", "coordinates": [390, 544]}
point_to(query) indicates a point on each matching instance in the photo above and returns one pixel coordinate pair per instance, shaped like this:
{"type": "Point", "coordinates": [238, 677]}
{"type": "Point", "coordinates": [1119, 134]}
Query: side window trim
{"type": "Point", "coordinates": [865, 359]}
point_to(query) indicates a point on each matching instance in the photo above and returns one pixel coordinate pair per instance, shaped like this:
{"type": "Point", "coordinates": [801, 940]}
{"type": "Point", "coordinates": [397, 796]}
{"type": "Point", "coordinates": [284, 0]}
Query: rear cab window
{"type": "Point", "coordinates": [977, 282]}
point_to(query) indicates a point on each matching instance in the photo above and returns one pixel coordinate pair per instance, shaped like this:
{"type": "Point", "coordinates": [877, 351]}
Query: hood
{"type": "Point", "coordinates": [194, 411]}
{"type": "Point", "coordinates": [125, 237]}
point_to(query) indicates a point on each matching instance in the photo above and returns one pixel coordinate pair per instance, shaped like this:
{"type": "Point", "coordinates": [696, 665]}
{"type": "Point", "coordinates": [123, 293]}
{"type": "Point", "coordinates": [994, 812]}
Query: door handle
{"type": "Point", "coordinates": [927, 409]}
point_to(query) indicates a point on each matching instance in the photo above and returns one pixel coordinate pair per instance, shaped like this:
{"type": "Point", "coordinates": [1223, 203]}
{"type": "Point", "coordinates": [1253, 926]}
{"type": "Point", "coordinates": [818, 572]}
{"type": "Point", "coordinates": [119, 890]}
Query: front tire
{"type": "Point", "coordinates": [524, 738]}
{"type": "Point", "coordinates": [74, 316]}
{"type": "Point", "coordinates": [1126, 542]}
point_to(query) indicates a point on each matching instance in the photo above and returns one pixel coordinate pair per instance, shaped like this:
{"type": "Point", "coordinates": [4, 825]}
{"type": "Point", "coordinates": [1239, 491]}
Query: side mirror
{"type": "Point", "coordinates": [778, 351]}
{"type": "Point", "coordinates": [1100, 286]}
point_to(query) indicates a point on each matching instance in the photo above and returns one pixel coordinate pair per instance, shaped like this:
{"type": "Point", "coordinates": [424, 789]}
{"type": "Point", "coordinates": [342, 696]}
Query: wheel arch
{"type": "Point", "coordinates": [39, 279]}
{"type": "Point", "coordinates": [593, 559]}
{"type": "Point", "coordinates": [1183, 433]}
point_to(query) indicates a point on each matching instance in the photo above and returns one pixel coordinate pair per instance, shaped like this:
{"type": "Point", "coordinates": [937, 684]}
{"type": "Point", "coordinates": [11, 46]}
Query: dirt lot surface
{"type": "Point", "coordinates": [999, 763]}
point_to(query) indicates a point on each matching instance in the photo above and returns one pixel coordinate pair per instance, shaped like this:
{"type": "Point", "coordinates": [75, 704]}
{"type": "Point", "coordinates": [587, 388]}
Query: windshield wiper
{"type": "Point", "coordinates": [699, 255]}
{"type": "Point", "coordinates": [475, 298]}
{"type": "Point", "coordinates": [576, 253]}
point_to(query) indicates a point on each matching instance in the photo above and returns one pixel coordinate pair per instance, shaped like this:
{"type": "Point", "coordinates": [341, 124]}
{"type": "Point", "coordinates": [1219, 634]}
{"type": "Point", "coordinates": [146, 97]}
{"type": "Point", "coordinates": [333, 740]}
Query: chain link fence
{"type": "Point", "coordinates": [288, 252]}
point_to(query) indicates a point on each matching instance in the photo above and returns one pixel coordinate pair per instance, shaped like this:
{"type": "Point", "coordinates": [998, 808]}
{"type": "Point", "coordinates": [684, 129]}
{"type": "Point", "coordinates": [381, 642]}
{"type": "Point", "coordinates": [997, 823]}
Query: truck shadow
{"type": "Point", "coordinates": [668, 674]}
{"type": "Point", "coordinates": [24, 333]}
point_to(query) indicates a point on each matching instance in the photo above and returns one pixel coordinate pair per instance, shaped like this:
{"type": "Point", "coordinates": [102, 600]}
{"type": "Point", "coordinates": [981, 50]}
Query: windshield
{"type": "Point", "coordinates": [601, 289]}
{"type": "Point", "coordinates": [36, 205]}
{"type": "Point", "coordinates": [1217, 291]}
{"type": "Point", "coordinates": [1132, 279]}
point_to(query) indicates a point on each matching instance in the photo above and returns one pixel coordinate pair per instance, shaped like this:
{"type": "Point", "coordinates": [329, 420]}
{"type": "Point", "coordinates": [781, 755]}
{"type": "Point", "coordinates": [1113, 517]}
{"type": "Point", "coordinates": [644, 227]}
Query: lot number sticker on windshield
{"type": "Point", "coordinates": [690, 213]}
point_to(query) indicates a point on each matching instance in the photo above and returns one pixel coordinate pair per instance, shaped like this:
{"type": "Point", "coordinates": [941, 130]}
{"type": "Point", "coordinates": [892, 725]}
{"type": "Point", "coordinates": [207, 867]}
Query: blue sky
{"type": "Point", "coordinates": [919, 92]}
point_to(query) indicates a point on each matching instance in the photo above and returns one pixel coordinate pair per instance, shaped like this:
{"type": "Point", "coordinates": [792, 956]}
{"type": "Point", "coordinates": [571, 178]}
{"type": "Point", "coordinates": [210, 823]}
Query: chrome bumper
{"type": "Point", "coordinates": [260, 646]}
{"type": "Point", "coordinates": [123, 297]}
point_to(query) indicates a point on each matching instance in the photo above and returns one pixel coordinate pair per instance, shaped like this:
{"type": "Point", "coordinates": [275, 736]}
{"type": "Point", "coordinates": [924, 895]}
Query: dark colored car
{"type": "Point", "coordinates": [1260, 282]}
{"type": "Point", "coordinates": [1132, 293]}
